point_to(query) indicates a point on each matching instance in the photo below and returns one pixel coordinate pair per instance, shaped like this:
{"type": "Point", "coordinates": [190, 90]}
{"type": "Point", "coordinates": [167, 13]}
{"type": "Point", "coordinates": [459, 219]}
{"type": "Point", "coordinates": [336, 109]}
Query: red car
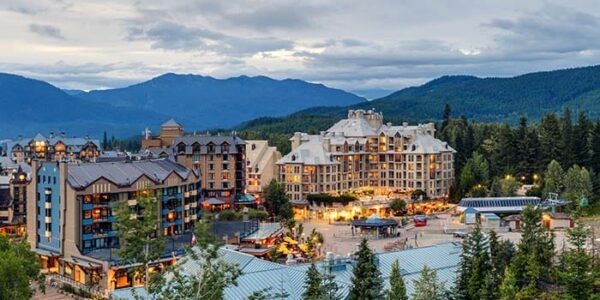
{"type": "Point", "coordinates": [420, 220]}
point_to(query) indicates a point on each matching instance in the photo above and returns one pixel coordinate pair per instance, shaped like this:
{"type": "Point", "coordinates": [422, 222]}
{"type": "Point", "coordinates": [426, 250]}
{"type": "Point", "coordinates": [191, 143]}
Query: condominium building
{"type": "Point", "coordinates": [261, 163]}
{"type": "Point", "coordinates": [363, 152]}
{"type": "Point", "coordinates": [221, 161]}
{"type": "Point", "coordinates": [53, 148]}
{"type": "Point", "coordinates": [71, 222]}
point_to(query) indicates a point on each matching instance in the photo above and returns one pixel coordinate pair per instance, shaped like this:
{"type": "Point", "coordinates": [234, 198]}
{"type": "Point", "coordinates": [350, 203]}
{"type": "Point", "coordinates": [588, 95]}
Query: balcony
{"type": "Point", "coordinates": [87, 206]}
{"type": "Point", "coordinates": [87, 221]}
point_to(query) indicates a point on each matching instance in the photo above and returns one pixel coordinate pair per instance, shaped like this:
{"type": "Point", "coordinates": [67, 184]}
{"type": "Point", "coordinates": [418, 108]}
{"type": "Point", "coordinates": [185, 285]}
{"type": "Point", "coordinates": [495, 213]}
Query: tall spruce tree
{"type": "Point", "coordinates": [312, 285]}
{"type": "Point", "coordinates": [577, 275]}
{"type": "Point", "coordinates": [509, 287]}
{"type": "Point", "coordinates": [397, 287]}
{"type": "Point", "coordinates": [550, 142]}
{"type": "Point", "coordinates": [428, 286]}
{"type": "Point", "coordinates": [526, 154]}
{"type": "Point", "coordinates": [594, 162]}
{"type": "Point", "coordinates": [446, 116]}
{"type": "Point", "coordinates": [474, 267]}
{"type": "Point", "coordinates": [367, 283]}
{"type": "Point", "coordinates": [581, 141]}
{"type": "Point", "coordinates": [568, 153]}
{"type": "Point", "coordinates": [532, 263]}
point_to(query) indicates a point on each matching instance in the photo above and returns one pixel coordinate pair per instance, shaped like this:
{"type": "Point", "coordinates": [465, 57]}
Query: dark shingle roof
{"type": "Point", "coordinates": [124, 173]}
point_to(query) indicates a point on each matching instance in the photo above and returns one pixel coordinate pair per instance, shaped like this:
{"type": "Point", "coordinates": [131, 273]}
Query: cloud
{"type": "Point", "coordinates": [46, 31]}
{"type": "Point", "coordinates": [173, 36]}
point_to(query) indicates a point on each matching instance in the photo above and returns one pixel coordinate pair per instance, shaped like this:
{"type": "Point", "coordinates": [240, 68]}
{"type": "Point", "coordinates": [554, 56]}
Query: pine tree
{"type": "Point", "coordinates": [595, 148]}
{"type": "Point", "coordinates": [582, 140]}
{"type": "Point", "coordinates": [446, 116]}
{"type": "Point", "coordinates": [568, 153]}
{"type": "Point", "coordinates": [312, 284]}
{"type": "Point", "coordinates": [577, 275]}
{"type": "Point", "coordinates": [105, 142]}
{"type": "Point", "coordinates": [366, 281]}
{"type": "Point", "coordinates": [509, 288]}
{"type": "Point", "coordinates": [501, 254]}
{"type": "Point", "coordinates": [532, 262]}
{"type": "Point", "coordinates": [550, 143]}
{"type": "Point", "coordinates": [397, 287]}
{"type": "Point", "coordinates": [428, 286]}
{"type": "Point", "coordinates": [475, 265]}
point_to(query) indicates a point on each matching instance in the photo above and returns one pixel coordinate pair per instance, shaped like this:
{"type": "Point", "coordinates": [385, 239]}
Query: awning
{"type": "Point", "coordinates": [213, 201]}
{"type": "Point", "coordinates": [44, 252]}
{"type": "Point", "coordinates": [248, 198]}
{"type": "Point", "coordinates": [81, 262]}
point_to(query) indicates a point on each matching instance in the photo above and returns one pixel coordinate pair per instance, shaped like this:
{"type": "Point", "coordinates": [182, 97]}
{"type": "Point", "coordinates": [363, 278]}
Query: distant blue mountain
{"type": "Point", "coordinates": [206, 102]}
{"type": "Point", "coordinates": [28, 106]}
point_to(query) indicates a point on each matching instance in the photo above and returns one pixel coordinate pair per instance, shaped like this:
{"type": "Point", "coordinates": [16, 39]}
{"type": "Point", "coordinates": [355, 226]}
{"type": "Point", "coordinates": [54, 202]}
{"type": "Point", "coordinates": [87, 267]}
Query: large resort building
{"type": "Point", "coordinates": [361, 151]}
{"type": "Point", "coordinates": [70, 217]}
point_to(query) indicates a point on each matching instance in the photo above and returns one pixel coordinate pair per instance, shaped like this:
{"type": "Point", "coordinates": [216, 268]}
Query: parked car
{"type": "Point", "coordinates": [420, 220]}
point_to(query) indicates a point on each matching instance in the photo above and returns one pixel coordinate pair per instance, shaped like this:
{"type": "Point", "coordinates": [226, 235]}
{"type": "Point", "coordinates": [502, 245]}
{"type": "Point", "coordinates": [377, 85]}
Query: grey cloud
{"type": "Point", "coordinates": [553, 29]}
{"type": "Point", "coordinates": [46, 31]}
{"type": "Point", "coordinates": [173, 36]}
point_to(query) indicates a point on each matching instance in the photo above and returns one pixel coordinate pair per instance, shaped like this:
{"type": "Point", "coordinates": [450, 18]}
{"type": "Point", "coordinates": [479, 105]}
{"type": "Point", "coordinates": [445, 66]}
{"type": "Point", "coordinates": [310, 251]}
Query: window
{"type": "Point", "coordinates": [225, 185]}
{"type": "Point", "coordinates": [225, 166]}
{"type": "Point", "coordinates": [211, 167]}
{"type": "Point", "coordinates": [225, 176]}
{"type": "Point", "coordinates": [225, 157]}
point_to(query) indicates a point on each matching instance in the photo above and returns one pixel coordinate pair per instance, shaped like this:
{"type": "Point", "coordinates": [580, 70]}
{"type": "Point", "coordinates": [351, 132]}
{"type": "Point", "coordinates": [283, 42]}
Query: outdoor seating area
{"type": "Point", "coordinates": [375, 226]}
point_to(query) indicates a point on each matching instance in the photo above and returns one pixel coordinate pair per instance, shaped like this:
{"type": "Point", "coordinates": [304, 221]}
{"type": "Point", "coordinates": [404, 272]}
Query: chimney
{"type": "Point", "coordinates": [62, 134]}
{"type": "Point", "coordinates": [51, 134]}
{"type": "Point", "coordinates": [296, 140]}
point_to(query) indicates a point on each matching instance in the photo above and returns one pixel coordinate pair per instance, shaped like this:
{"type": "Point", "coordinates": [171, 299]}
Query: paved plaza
{"type": "Point", "coordinates": [339, 239]}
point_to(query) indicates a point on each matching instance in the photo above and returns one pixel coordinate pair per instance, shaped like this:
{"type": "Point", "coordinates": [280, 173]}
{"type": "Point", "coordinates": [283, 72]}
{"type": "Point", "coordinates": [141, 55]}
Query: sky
{"type": "Point", "coordinates": [368, 47]}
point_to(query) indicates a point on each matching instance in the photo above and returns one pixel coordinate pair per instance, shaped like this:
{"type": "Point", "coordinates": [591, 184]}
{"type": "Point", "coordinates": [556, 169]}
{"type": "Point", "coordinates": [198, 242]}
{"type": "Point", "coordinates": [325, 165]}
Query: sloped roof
{"type": "Point", "coordinates": [258, 274]}
{"type": "Point", "coordinates": [353, 127]}
{"type": "Point", "coordinates": [426, 143]}
{"type": "Point", "coordinates": [124, 173]}
{"type": "Point", "coordinates": [310, 152]}
{"type": "Point", "coordinates": [171, 123]}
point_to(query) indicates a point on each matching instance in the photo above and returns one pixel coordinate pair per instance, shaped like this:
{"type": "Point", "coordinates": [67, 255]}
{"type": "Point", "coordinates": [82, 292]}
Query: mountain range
{"type": "Point", "coordinates": [481, 99]}
{"type": "Point", "coordinates": [199, 102]}
{"type": "Point", "coordinates": [264, 104]}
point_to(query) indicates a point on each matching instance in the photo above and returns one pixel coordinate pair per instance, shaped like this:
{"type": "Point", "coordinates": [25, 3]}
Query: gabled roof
{"type": "Point", "coordinates": [124, 173]}
{"type": "Point", "coordinates": [310, 152]}
{"type": "Point", "coordinates": [171, 123]}
{"type": "Point", "coordinates": [39, 137]}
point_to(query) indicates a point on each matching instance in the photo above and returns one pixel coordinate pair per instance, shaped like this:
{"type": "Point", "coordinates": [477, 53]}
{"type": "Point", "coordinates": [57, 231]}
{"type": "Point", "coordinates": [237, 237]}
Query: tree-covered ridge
{"type": "Point", "coordinates": [480, 99]}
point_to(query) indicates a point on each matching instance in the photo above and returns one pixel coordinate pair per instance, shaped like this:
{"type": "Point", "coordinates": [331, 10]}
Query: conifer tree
{"type": "Point", "coordinates": [550, 143]}
{"type": "Point", "coordinates": [509, 288]}
{"type": "Point", "coordinates": [428, 286]}
{"type": "Point", "coordinates": [577, 274]}
{"type": "Point", "coordinates": [312, 284]}
{"type": "Point", "coordinates": [397, 287]}
{"type": "Point", "coordinates": [474, 267]}
{"type": "Point", "coordinates": [553, 178]}
{"type": "Point", "coordinates": [594, 162]}
{"type": "Point", "coordinates": [582, 140]}
{"type": "Point", "coordinates": [446, 116]}
{"type": "Point", "coordinates": [568, 153]}
{"type": "Point", "coordinates": [366, 281]}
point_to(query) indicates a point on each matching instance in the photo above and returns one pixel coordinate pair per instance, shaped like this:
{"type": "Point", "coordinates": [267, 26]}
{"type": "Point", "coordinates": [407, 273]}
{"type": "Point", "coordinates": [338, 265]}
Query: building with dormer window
{"type": "Point", "coordinates": [363, 152]}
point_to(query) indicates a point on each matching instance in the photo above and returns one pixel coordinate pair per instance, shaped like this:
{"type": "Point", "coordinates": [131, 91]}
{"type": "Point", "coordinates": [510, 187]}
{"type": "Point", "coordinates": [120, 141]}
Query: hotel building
{"type": "Point", "coordinates": [53, 148]}
{"type": "Point", "coordinates": [261, 163]}
{"type": "Point", "coordinates": [363, 152]}
{"type": "Point", "coordinates": [221, 161]}
{"type": "Point", "coordinates": [70, 217]}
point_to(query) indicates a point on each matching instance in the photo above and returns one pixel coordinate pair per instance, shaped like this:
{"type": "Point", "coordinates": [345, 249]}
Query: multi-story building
{"type": "Point", "coordinates": [261, 163]}
{"type": "Point", "coordinates": [53, 148]}
{"type": "Point", "coordinates": [221, 160]}
{"type": "Point", "coordinates": [13, 199]}
{"type": "Point", "coordinates": [169, 130]}
{"type": "Point", "coordinates": [70, 217]}
{"type": "Point", "coordinates": [362, 151]}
